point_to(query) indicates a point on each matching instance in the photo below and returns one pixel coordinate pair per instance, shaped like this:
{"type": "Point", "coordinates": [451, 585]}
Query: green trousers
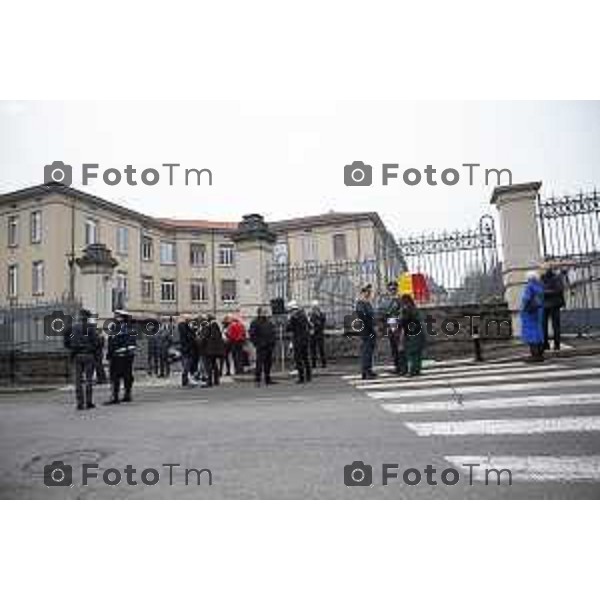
{"type": "Point", "coordinates": [414, 359]}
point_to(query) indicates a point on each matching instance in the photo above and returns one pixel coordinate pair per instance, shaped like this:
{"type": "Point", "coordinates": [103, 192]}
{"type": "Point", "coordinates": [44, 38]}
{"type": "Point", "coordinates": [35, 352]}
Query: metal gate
{"type": "Point", "coordinates": [460, 267]}
{"type": "Point", "coordinates": [334, 285]}
{"type": "Point", "coordinates": [570, 238]}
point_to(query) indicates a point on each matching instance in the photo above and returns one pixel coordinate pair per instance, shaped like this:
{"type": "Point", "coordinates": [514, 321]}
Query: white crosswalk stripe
{"type": "Point", "coordinates": [480, 404]}
{"type": "Point", "coordinates": [462, 379]}
{"type": "Point", "coordinates": [505, 426]}
{"type": "Point", "coordinates": [530, 468]}
{"type": "Point", "coordinates": [467, 390]}
{"type": "Point", "coordinates": [493, 403]}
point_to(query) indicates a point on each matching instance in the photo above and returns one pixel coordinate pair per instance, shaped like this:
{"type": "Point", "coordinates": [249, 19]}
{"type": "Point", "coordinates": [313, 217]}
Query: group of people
{"type": "Point", "coordinates": [399, 319]}
{"type": "Point", "coordinates": [542, 299]}
{"type": "Point", "coordinates": [207, 348]}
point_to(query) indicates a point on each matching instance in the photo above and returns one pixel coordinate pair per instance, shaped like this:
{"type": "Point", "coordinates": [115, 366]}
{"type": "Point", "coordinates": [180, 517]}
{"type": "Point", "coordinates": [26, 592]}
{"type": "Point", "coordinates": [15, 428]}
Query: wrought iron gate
{"type": "Point", "coordinates": [461, 267]}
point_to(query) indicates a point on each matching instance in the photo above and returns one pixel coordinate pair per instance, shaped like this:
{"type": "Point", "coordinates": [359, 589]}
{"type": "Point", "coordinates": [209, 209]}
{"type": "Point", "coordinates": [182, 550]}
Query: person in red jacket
{"type": "Point", "coordinates": [236, 336]}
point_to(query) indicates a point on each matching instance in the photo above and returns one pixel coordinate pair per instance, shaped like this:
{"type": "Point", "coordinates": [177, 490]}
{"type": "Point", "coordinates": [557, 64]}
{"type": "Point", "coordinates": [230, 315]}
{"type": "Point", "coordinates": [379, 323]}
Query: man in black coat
{"type": "Point", "coordinates": [554, 300]}
{"type": "Point", "coordinates": [121, 353]}
{"type": "Point", "coordinates": [83, 343]}
{"type": "Point", "coordinates": [317, 320]}
{"type": "Point", "coordinates": [299, 327]}
{"type": "Point", "coordinates": [262, 335]}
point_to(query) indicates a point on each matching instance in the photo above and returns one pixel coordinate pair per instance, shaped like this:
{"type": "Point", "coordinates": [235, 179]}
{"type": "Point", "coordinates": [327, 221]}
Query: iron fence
{"type": "Point", "coordinates": [24, 327]}
{"type": "Point", "coordinates": [460, 267]}
{"type": "Point", "coordinates": [334, 285]}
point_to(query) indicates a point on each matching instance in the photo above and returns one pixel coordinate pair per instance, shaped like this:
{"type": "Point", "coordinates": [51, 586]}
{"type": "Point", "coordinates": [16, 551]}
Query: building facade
{"type": "Point", "coordinates": [165, 266]}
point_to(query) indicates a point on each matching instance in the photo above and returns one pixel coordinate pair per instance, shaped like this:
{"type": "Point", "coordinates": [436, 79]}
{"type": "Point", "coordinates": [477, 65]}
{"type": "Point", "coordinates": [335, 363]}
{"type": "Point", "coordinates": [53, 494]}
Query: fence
{"type": "Point", "coordinates": [569, 229]}
{"type": "Point", "coordinates": [335, 285]}
{"type": "Point", "coordinates": [460, 267]}
{"type": "Point", "coordinates": [27, 353]}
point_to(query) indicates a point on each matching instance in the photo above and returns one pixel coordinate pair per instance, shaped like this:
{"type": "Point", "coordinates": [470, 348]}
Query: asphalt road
{"type": "Point", "coordinates": [293, 441]}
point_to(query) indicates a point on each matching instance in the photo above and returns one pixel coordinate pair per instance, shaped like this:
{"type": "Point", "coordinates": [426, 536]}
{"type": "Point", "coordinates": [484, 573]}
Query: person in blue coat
{"type": "Point", "coordinates": [532, 316]}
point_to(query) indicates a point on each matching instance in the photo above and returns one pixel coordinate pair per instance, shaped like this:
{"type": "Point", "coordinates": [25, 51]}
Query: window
{"type": "Point", "coordinates": [197, 255]}
{"type": "Point", "coordinates": [36, 227]}
{"type": "Point", "coordinates": [147, 248]}
{"type": "Point", "coordinates": [121, 284]}
{"type": "Point", "coordinates": [167, 290]}
{"type": "Point", "coordinates": [90, 232]}
{"type": "Point", "coordinates": [309, 247]}
{"type": "Point", "coordinates": [228, 290]}
{"type": "Point", "coordinates": [37, 281]}
{"type": "Point", "coordinates": [13, 280]}
{"type": "Point", "coordinates": [198, 290]}
{"type": "Point", "coordinates": [167, 253]}
{"type": "Point", "coordinates": [280, 253]}
{"type": "Point", "coordinates": [226, 254]}
{"type": "Point", "coordinates": [122, 240]}
{"type": "Point", "coordinates": [13, 231]}
{"type": "Point", "coordinates": [147, 289]}
{"type": "Point", "coordinates": [339, 247]}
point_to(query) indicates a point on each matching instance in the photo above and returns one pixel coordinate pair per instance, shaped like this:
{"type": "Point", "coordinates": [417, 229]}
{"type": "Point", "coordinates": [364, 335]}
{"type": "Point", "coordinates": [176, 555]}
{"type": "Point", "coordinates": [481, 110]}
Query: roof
{"type": "Point", "coordinates": [329, 218]}
{"type": "Point", "coordinates": [199, 224]}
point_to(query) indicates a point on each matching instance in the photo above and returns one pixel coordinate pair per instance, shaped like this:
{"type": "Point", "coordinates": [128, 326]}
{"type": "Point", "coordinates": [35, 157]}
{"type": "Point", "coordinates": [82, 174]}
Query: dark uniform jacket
{"type": "Point", "coordinates": [262, 333]}
{"type": "Point", "coordinates": [122, 344]}
{"type": "Point", "coordinates": [365, 312]}
{"type": "Point", "coordinates": [82, 338]}
{"type": "Point", "coordinates": [299, 327]}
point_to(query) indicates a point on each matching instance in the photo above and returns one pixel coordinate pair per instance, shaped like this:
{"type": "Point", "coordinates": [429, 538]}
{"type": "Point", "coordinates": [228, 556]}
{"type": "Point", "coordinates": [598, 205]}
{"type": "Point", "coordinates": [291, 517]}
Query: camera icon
{"type": "Point", "coordinates": [57, 324]}
{"type": "Point", "coordinates": [358, 474]}
{"type": "Point", "coordinates": [354, 326]}
{"type": "Point", "coordinates": [58, 172]}
{"type": "Point", "coordinates": [57, 474]}
{"type": "Point", "coordinates": [357, 173]}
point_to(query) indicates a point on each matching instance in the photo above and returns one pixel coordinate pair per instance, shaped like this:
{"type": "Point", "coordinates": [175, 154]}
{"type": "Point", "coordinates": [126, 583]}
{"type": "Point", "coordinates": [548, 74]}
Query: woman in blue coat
{"type": "Point", "coordinates": [532, 316]}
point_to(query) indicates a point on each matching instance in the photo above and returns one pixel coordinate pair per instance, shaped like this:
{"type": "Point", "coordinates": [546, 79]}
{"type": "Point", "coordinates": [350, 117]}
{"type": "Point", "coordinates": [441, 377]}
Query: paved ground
{"type": "Point", "coordinates": [291, 441]}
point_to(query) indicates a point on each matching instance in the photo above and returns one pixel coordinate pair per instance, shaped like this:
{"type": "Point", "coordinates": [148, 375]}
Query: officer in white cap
{"type": "Point", "coordinates": [121, 354]}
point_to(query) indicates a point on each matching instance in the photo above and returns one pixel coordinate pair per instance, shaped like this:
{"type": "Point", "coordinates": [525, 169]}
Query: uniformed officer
{"type": "Point", "coordinates": [83, 342]}
{"type": "Point", "coordinates": [391, 312]}
{"type": "Point", "coordinates": [121, 353]}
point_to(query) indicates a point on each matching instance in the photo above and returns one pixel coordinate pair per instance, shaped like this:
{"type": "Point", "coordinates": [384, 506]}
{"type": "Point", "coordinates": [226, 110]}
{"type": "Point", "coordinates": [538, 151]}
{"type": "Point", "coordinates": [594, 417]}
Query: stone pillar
{"type": "Point", "coordinates": [97, 265]}
{"type": "Point", "coordinates": [516, 206]}
{"type": "Point", "coordinates": [254, 250]}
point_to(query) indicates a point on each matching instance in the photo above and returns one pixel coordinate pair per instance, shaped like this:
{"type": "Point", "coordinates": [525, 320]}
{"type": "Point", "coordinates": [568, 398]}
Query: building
{"type": "Point", "coordinates": [165, 266]}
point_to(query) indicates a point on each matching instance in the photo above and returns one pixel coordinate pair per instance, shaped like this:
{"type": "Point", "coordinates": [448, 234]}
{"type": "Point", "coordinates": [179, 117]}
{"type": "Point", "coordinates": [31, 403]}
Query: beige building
{"type": "Point", "coordinates": [164, 266]}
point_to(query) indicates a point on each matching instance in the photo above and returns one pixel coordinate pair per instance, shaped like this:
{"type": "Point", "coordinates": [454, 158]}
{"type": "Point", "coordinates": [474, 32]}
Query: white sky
{"type": "Point", "coordinates": [286, 159]}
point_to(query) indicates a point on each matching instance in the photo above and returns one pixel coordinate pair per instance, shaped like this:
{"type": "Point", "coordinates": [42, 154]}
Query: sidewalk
{"type": "Point", "coordinates": [571, 347]}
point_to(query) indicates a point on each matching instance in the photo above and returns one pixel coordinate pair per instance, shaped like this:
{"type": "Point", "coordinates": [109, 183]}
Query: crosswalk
{"type": "Point", "coordinates": [546, 415]}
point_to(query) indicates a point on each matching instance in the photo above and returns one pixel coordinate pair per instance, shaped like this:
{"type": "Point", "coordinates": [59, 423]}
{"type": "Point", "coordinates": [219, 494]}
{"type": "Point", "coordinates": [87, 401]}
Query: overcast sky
{"type": "Point", "coordinates": [286, 159]}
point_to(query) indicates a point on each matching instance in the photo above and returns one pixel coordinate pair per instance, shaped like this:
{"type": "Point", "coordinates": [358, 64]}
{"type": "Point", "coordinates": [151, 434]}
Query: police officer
{"type": "Point", "coordinates": [82, 341]}
{"type": "Point", "coordinates": [365, 312]}
{"type": "Point", "coordinates": [121, 353]}
{"type": "Point", "coordinates": [299, 326]}
{"type": "Point", "coordinates": [391, 313]}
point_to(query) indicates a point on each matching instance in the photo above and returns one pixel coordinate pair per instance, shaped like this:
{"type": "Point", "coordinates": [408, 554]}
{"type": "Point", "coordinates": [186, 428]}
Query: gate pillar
{"type": "Point", "coordinates": [254, 249]}
{"type": "Point", "coordinates": [516, 206]}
